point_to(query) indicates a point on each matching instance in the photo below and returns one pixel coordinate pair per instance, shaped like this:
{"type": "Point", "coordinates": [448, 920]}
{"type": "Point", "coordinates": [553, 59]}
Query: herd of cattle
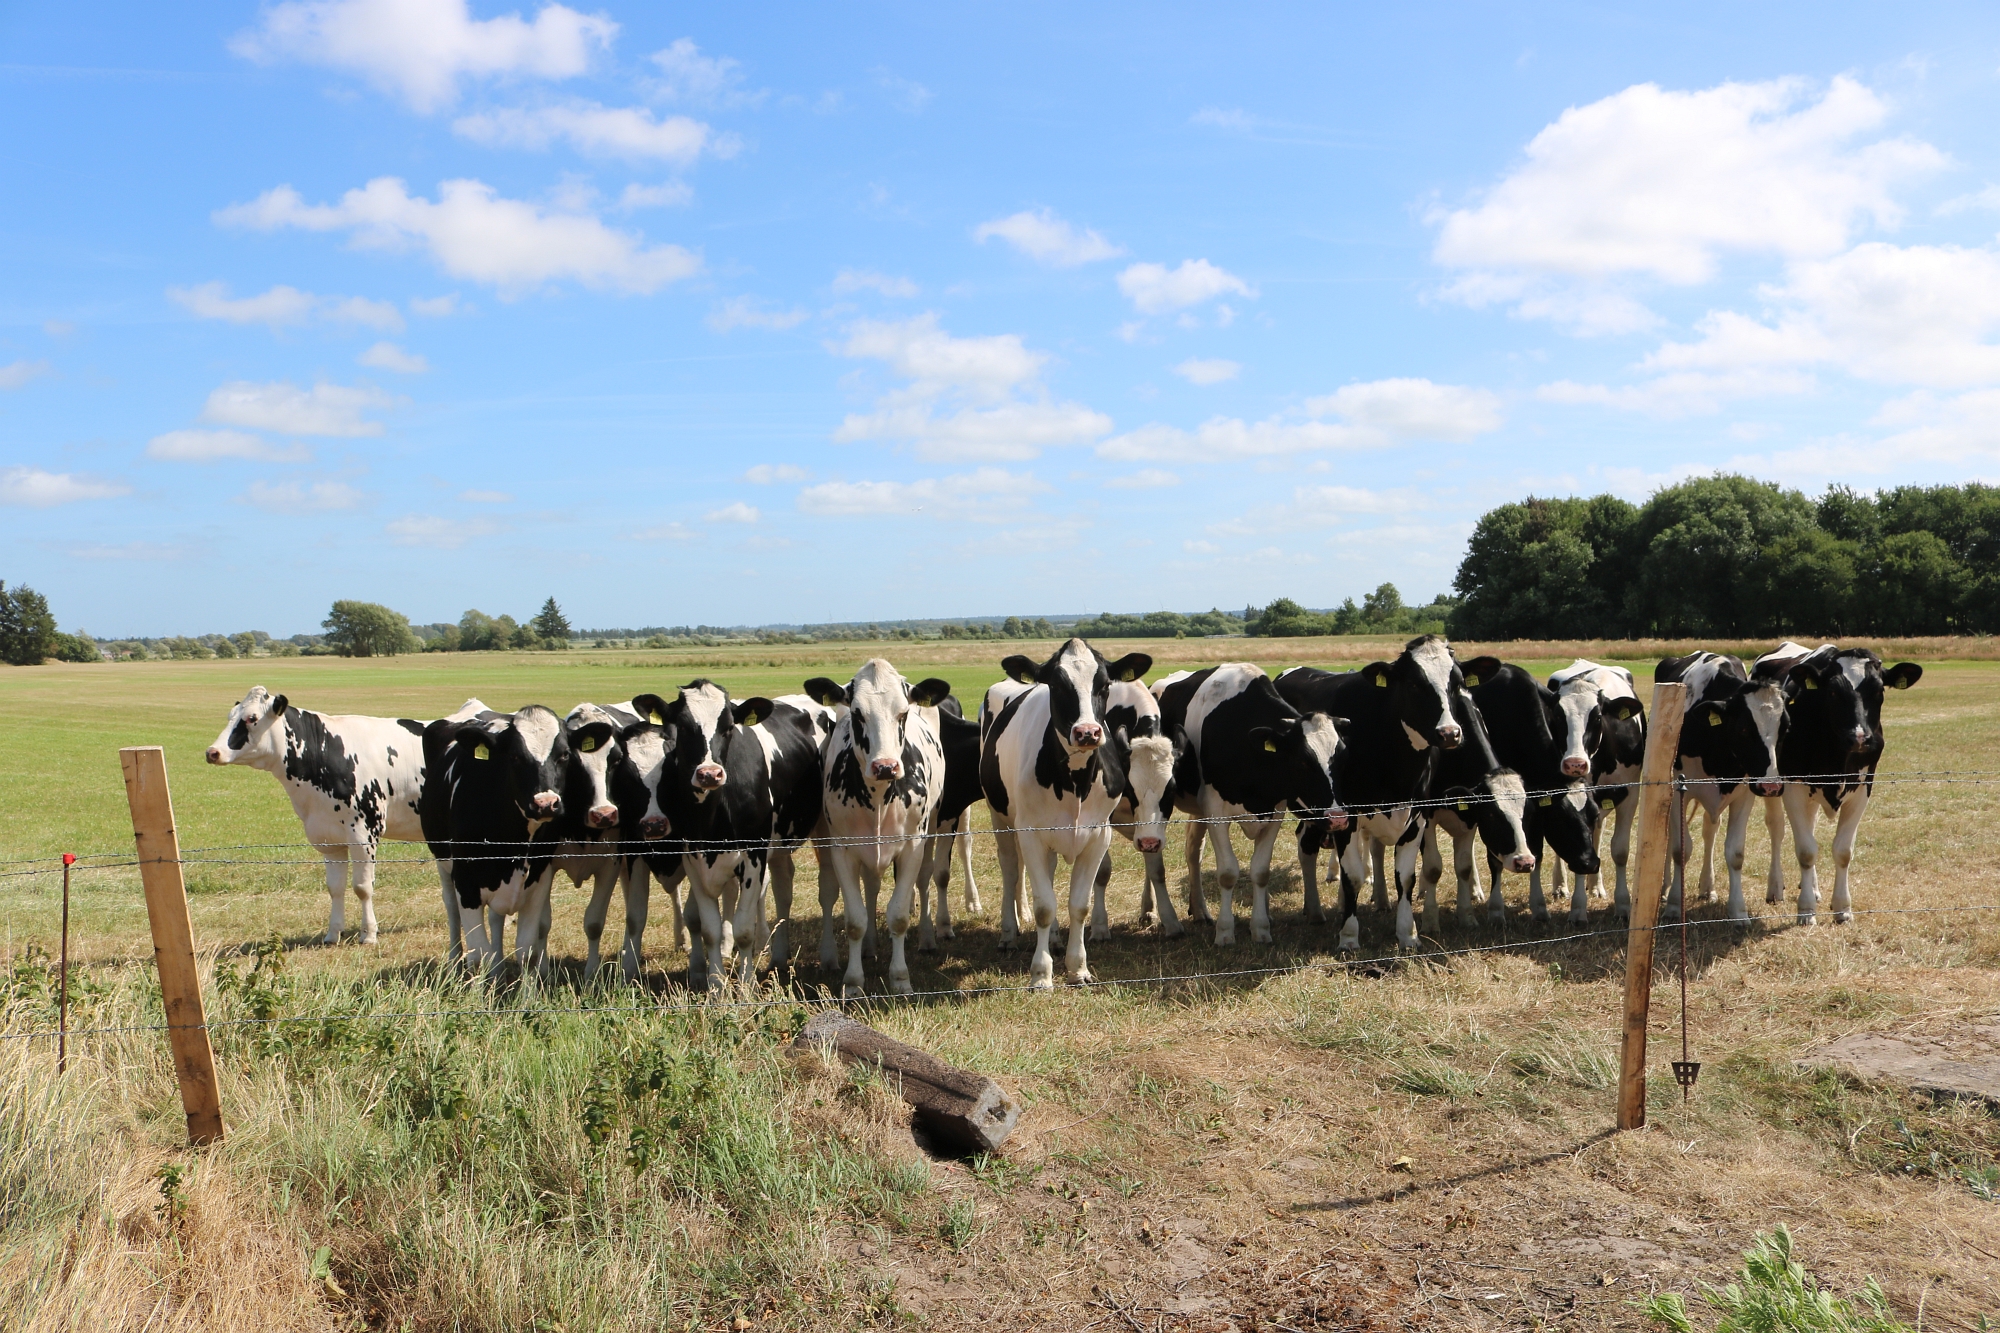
{"type": "Point", "coordinates": [879, 774]}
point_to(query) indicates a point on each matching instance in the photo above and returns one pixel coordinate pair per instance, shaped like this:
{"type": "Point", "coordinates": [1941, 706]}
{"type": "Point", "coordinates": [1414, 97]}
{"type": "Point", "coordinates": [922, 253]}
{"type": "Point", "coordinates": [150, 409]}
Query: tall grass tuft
{"type": "Point", "coordinates": [1775, 1294]}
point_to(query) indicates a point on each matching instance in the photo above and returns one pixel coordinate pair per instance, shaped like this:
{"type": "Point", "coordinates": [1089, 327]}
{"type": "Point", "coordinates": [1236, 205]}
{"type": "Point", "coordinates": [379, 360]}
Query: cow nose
{"type": "Point", "coordinates": [1449, 736]}
{"type": "Point", "coordinates": [653, 827]}
{"type": "Point", "coordinates": [1086, 735]}
{"type": "Point", "coordinates": [1522, 862]}
{"type": "Point", "coordinates": [1770, 788]}
{"type": "Point", "coordinates": [546, 803]}
{"type": "Point", "coordinates": [1860, 738]}
{"type": "Point", "coordinates": [1576, 766]}
{"type": "Point", "coordinates": [709, 776]}
{"type": "Point", "coordinates": [1148, 845]}
{"type": "Point", "coordinates": [214, 754]}
{"type": "Point", "coordinates": [885, 770]}
{"type": "Point", "coordinates": [1336, 819]}
{"type": "Point", "coordinates": [602, 816]}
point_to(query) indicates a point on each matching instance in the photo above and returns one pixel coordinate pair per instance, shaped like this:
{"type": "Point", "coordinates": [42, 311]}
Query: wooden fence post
{"type": "Point", "coordinates": [173, 937]}
{"type": "Point", "coordinates": [1656, 807]}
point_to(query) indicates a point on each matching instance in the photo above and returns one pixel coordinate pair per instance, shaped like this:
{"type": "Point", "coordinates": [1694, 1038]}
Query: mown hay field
{"type": "Point", "coordinates": [1387, 1144]}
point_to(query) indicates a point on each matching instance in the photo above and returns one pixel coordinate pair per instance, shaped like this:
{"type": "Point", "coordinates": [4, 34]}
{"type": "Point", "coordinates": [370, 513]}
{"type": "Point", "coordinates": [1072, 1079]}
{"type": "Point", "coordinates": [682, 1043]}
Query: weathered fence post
{"type": "Point", "coordinates": [62, 985]}
{"type": "Point", "coordinates": [1657, 794]}
{"type": "Point", "coordinates": [173, 937]}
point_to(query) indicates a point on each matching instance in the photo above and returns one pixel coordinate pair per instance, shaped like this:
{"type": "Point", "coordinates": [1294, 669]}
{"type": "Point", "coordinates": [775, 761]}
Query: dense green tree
{"type": "Point", "coordinates": [550, 625]}
{"type": "Point", "coordinates": [367, 629]}
{"type": "Point", "coordinates": [27, 626]}
{"type": "Point", "coordinates": [1544, 568]}
{"type": "Point", "coordinates": [1805, 583]}
{"type": "Point", "coordinates": [1700, 545]}
{"type": "Point", "coordinates": [74, 648]}
{"type": "Point", "coordinates": [478, 632]}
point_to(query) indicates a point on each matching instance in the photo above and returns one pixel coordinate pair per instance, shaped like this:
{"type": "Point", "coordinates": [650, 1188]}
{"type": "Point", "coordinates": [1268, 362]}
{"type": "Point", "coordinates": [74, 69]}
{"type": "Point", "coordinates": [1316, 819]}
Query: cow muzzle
{"type": "Point", "coordinates": [1336, 818]}
{"type": "Point", "coordinates": [1576, 766]}
{"type": "Point", "coordinates": [545, 805]}
{"type": "Point", "coordinates": [602, 816]}
{"type": "Point", "coordinates": [654, 827]}
{"type": "Point", "coordinates": [214, 754]}
{"type": "Point", "coordinates": [707, 777]}
{"type": "Point", "coordinates": [1086, 735]}
{"type": "Point", "coordinates": [1147, 845]}
{"type": "Point", "coordinates": [1521, 863]}
{"type": "Point", "coordinates": [885, 770]}
{"type": "Point", "coordinates": [1449, 736]}
{"type": "Point", "coordinates": [1860, 739]}
{"type": "Point", "coordinates": [1768, 788]}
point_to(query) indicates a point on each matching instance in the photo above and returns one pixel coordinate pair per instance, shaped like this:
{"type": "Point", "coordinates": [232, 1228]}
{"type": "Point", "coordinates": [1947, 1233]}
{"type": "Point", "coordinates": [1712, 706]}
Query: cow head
{"type": "Point", "coordinates": [1578, 716]}
{"type": "Point", "coordinates": [878, 701]}
{"type": "Point", "coordinates": [593, 757]}
{"type": "Point", "coordinates": [643, 769]}
{"type": "Point", "coordinates": [1078, 680]}
{"type": "Point", "coordinates": [1568, 820]}
{"type": "Point", "coordinates": [1152, 758]}
{"type": "Point", "coordinates": [704, 723]}
{"type": "Point", "coordinates": [252, 735]}
{"type": "Point", "coordinates": [530, 758]}
{"type": "Point", "coordinates": [1752, 721]}
{"type": "Point", "coordinates": [1421, 683]}
{"type": "Point", "coordinates": [1496, 807]}
{"type": "Point", "coordinates": [1838, 695]}
{"type": "Point", "coordinates": [1302, 752]}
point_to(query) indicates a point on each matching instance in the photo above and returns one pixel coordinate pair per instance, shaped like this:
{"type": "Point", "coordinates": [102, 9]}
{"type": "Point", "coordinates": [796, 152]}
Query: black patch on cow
{"type": "Point", "coordinates": [413, 727]}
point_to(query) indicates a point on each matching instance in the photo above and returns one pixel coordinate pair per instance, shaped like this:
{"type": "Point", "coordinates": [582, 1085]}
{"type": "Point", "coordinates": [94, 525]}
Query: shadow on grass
{"type": "Point", "coordinates": [1357, 1201]}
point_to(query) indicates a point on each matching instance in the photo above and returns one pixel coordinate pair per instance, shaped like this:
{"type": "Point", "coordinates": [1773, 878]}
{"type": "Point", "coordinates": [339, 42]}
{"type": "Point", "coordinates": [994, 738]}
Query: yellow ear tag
{"type": "Point", "coordinates": [1545, 802]}
{"type": "Point", "coordinates": [1472, 682]}
{"type": "Point", "coordinates": [1811, 684]}
{"type": "Point", "coordinates": [589, 744]}
{"type": "Point", "coordinates": [1272, 746]}
{"type": "Point", "coordinates": [1381, 681]}
{"type": "Point", "coordinates": [1714, 721]}
{"type": "Point", "coordinates": [1463, 807]}
{"type": "Point", "coordinates": [655, 718]}
{"type": "Point", "coordinates": [481, 752]}
{"type": "Point", "coordinates": [750, 719]}
{"type": "Point", "coordinates": [1608, 804]}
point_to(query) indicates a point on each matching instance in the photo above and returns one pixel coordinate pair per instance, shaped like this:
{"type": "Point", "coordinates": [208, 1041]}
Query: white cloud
{"type": "Point", "coordinates": [1156, 289]}
{"type": "Point", "coordinates": [1224, 118]}
{"type": "Point", "coordinates": [486, 497]}
{"type": "Point", "coordinates": [907, 94]}
{"type": "Point", "coordinates": [17, 373]}
{"type": "Point", "coordinates": [324, 409]}
{"type": "Point", "coordinates": [1986, 200]}
{"type": "Point", "coordinates": [1200, 547]}
{"type": "Point", "coordinates": [419, 49]}
{"type": "Point", "coordinates": [626, 132]}
{"type": "Point", "coordinates": [769, 474]}
{"type": "Point", "coordinates": [861, 280]}
{"type": "Point", "coordinates": [919, 350]}
{"type": "Point", "coordinates": [1661, 184]}
{"type": "Point", "coordinates": [665, 532]}
{"type": "Point", "coordinates": [284, 306]}
{"type": "Point", "coordinates": [1688, 393]}
{"type": "Point", "coordinates": [388, 356]}
{"type": "Point", "coordinates": [1010, 432]}
{"type": "Point", "coordinates": [293, 497]}
{"type": "Point", "coordinates": [1145, 479]}
{"type": "Point", "coordinates": [473, 233]}
{"type": "Point", "coordinates": [1196, 370]}
{"type": "Point", "coordinates": [1376, 414]}
{"type": "Point", "coordinates": [436, 531]}
{"type": "Point", "coordinates": [215, 446]}
{"type": "Point", "coordinates": [737, 512]}
{"type": "Point", "coordinates": [668, 194]}
{"type": "Point", "coordinates": [1314, 507]}
{"type": "Point", "coordinates": [1961, 429]}
{"type": "Point", "coordinates": [686, 75]}
{"type": "Point", "coordinates": [435, 307]}
{"type": "Point", "coordinates": [747, 312]}
{"type": "Point", "coordinates": [1048, 239]}
{"type": "Point", "coordinates": [32, 488]}
{"type": "Point", "coordinates": [988, 494]}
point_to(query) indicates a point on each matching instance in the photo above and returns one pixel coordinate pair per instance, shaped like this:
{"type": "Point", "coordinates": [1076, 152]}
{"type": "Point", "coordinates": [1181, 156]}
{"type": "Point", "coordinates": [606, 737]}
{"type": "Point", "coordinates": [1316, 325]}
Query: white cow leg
{"type": "Point", "coordinates": [1710, 824]}
{"type": "Point", "coordinates": [909, 866]}
{"type": "Point", "coordinates": [594, 911]}
{"type": "Point", "coordinates": [1163, 902]}
{"type": "Point", "coordinates": [964, 841]}
{"type": "Point", "coordinates": [637, 879]}
{"type": "Point", "coordinates": [784, 877]}
{"type": "Point", "coordinates": [1038, 863]}
{"type": "Point", "coordinates": [531, 937]}
{"type": "Point", "coordinates": [1805, 845]}
{"type": "Point", "coordinates": [689, 912]}
{"type": "Point", "coordinates": [1496, 895]}
{"type": "Point", "coordinates": [1774, 825]}
{"type": "Point", "coordinates": [1406, 886]}
{"type": "Point", "coordinates": [1083, 885]}
{"type": "Point", "coordinates": [1007, 844]}
{"type": "Point", "coordinates": [454, 949]}
{"type": "Point", "coordinates": [1148, 912]}
{"type": "Point", "coordinates": [361, 864]}
{"type": "Point", "coordinates": [480, 953]}
{"type": "Point", "coordinates": [1847, 827]}
{"type": "Point", "coordinates": [1308, 857]}
{"type": "Point", "coordinates": [1197, 897]}
{"type": "Point", "coordinates": [1462, 865]}
{"type": "Point", "coordinates": [1732, 851]}
{"type": "Point", "coordinates": [1621, 848]}
{"type": "Point", "coordinates": [746, 933]}
{"type": "Point", "coordinates": [943, 850]}
{"type": "Point", "coordinates": [1579, 894]}
{"type": "Point", "coordinates": [854, 921]}
{"type": "Point", "coordinates": [829, 898]}
{"type": "Point", "coordinates": [1353, 868]}
{"type": "Point", "coordinates": [1100, 921]}
{"type": "Point", "coordinates": [336, 892]}
{"type": "Point", "coordinates": [1538, 906]}
{"type": "Point", "coordinates": [1376, 854]}
{"type": "Point", "coordinates": [1430, 869]}
{"type": "Point", "coordinates": [1261, 848]}
{"type": "Point", "coordinates": [707, 928]}
{"type": "Point", "coordinates": [1227, 868]}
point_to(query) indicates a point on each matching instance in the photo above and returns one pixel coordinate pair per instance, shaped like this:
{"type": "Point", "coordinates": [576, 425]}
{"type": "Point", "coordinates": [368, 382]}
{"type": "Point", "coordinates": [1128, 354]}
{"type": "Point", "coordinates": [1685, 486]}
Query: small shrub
{"type": "Point", "coordinates": [1775, 1294]}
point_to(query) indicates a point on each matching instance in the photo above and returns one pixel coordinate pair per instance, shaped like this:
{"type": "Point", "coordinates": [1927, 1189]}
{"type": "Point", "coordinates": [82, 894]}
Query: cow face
{"type": "Point", "coordinates": [1302, 752]}
{"type": "Point", "coordinates": [879, 701]}
{"type": "Point", "coordinates": [1497, 808]}
{"type": "Point", "coordinates": [704, 723]}
{"type": "Point", "coordinates": [593, 756]}
{"type": "Point", "coordinates": [253, 734]}
{"type": "Point", "coordinates": [1078, 680]}
{"type": "Point", "coordinates": [1421, 684]}
{"type": "Point", "coordinates": [1149, 783]}
{"type": "Point", "coordinates": [1865, 672]}
{"type": "Point", "coordinates": [531, 755]}
{"type": "Point", "coordinates": [1569, 821]}
{"type": "Point", "coordinates": [1752, 721]}
{"type": "Point", "coordinates": [644, 763]}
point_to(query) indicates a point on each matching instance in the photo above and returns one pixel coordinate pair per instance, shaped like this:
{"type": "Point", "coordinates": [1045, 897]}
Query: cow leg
{"type": "Point", "coordinates": [1579, 898]}
{"type": "Point", "coordinates": [531, 936]}
{"type": "Point", "coordinates": [1732, 851]}
{"type": "Point", "coordinates": [1847, 827]}
{"type": "Point", "coordinates": [784, 873]}
{"type": "Point", "coordinates": [1227, 868]}
{"type": "Point", "coordinates": [1496, 896]}
{"type": "Point", "coordinates": [1376, 853]}
{"type": "Point", "coordinates": [1712, 817]}
{"type": "Point", "coordinates": [1430, 869]}
{"type": "Point", "coordinates": [871, 879]}
{"type": "Point", "coordinates": [361, 864]}
{"type": "Point", "coordinates": [1163, 903]}
{"type": "Point", "coordinates": [1100, 922]}
{"type": "Point", "coordinates": [1352, 864]}
{"type": "Point", "coordinates": [943, 849]}
{"type": "Point", "coordinates": [1311, 838]}
{"type": "Point", "coordinates": [1197, 898]}
{"type": "Point", "coordinates": [1464, 867]}
{"type": "Point", "coordinates": [748, 933]}
{"type": "Point", "coordinates": [1039, 864]}
{"type": "Point", "coordinates": [1621, 845]}
{"type": "Point", "coordinates": [1805, 843]}
{"type": "Point", "coordinates": [336, 892]}
{"type": "Point", "coordinates": [964, 844]}
{"type": "Point", "coordinates": [854, 924]}
{"type": "Point", "coordinates": [1538, 906]}
{"type": "Point", "coordinates": [1008, 844]}
{"type": "Point", "coordinates": [1774, 825]}
{"type": "Point", "coordinates": [594, 912]}
{"type": "Point", "coordinates": [1149, 912]}
{"type": "Point", "coordinates": [1406, 887]}
{"type": "Point", "coordinates": [637, 880]}
{"type": "Point", "coordinates": [1083, 881]}
{"type": "Point", "coordinates": [482, 954]}
{"type": "Point", "coordinates": [909, 867]}
{"type": "Point", "coordinates": [698, 954]}
{"type": "Point", "coordinates": [1262, 846]}
{"type": "Point", "coordinates": [454, 949]}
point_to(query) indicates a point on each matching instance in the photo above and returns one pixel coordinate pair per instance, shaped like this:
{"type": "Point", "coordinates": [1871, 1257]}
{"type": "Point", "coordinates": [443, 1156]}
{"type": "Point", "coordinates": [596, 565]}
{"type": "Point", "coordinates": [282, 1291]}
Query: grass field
{"type": "Point", "coordinates": [1383, 1145]}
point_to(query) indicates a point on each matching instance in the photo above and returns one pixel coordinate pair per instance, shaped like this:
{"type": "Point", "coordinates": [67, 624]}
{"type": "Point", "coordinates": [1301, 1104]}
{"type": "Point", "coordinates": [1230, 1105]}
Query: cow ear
{"type": "Point", "coordinates": [1622, 710]}
{"type": "Point", "coordinates": [1707, 714]}
{"type": "Point", "coordinates": [1479, 669]}
{"type": "Point", "coordinates": [1019, 668]}
{"type": "Point", "coordinates": [1345, 726]}
{"type": "Point", "coordinates": [1130, 667]}
{"type": "Point", "coordinates": [1377, 673]}
{"type": "Point", "coordinates": [1266, 737]}
{"type": "Point", "coordinates": [749, 712]}
{"type": "Point", "coordinates": [650, 708]}
{"type": "Point", "coordinates": [281, 703]}
{"type": "Point", "coordinates": [828, 692]}
{"type": "Point", "coordinates": [929, 693]}
{"type": "Point", "coordinates": [592, 737]}
{"type": "Point", "coordinates": [1461, 798]}
{"type": "Point", "coordinates": [1898, 677]}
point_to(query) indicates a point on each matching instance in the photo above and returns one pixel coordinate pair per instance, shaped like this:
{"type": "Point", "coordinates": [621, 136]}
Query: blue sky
{"type": "Point", "coordinates": [799, 313]}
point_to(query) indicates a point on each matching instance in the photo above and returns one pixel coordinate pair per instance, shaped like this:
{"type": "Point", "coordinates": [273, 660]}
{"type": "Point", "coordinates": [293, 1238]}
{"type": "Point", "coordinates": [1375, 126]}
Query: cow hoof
{"type": "Point", "coordinates": [1808, 918]}
{"type": "Point", "coordinates": [1225, 940]}
{"type": "Point", "coordinates": [1260, 937]}
{"type": "Point", "coordinates": [368, 939]}
{"type": "Point", "coordinates": [329, 939]}
{"type": "Point", "coordinates": [944, 933]}
{"type": "Point", "coordinates": [900, 985]}
{"type": "Point", "coordinates": [1468, 920]}
{"type": "Point", "coordinates": [1147, 919]}
{"type": "Point", "coordinates": [1579, 921]}
{"type": "Point", "coordinates": [1099, 934]}
{"type": "Point", "coordinates": [1007, 945]}
{"type": "Point", "coordinates": [1178, 930]}
{"type": "Point", "coordinates": [1082, 978]}
{"type": "Point", "coordinates": [849, 991]}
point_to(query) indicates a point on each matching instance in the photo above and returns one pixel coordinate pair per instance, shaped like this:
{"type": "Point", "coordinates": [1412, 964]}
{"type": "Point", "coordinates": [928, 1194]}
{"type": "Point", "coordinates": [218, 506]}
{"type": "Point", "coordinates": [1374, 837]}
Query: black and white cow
{"type": "Point", "coordinates": [1472, 792]}
{"type": "Point", "coordinates": [1732, 730]}
{"type": "Point", "coordinates": [592, 849]}
{"type": "Point", "coordinates": [1614, 761]}
{"type": "Point", "coordinates": [354, 782]}
{"type": "Point", "coordinates": [1053, 784]}
{"type": "Point", "coordinates": [991, 704]}
{"type": "Point", "coordinates": [1255, 755]}
{"type": "Point", "coordinates": [883, 773]}
{"type": "Point", "coordinates": [731, 783]}
{"type": "Point", "coordinates": [951, 828]}
{"type": "Point", "coordinates": [491, 813]}
{"type": "Point", "coordinates": [1547, 738]}
{"type": "Point", "coordinates": [1400, 715]}
{"type": "Point", "coordinates": [1828, 758]}
{"type": "Point", "coordinates": [1153, 757]}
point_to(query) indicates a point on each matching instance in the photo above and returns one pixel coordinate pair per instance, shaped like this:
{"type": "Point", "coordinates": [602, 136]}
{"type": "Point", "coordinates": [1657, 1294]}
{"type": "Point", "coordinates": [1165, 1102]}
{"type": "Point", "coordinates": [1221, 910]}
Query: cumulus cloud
{"type": "Point", "coordinates": [286, 409]}
{"type": "Point", "coordinates": [987, 494]}
{"type": "Point", "coordinates": [1145, 479]}
{"type": "Point", "coordinates": [217, 446]}
{"type": "Point", "coordinates": [284, 306]}
{"type": "Point", "coordinates": [601, 131]}
{"type": "Point", "coordinates": [733, 513]}
{"type": "Point", "coordinates": [435, 307]}
{"type": "Point", "coordinates": [686, 75]}
{"type": "Point", "coordinates": [17, 373]}
{"type": "Point", "coordinates": [865, 280]}
{"type": "Point", "coordinates": [33, 488]}
{"type": "Point", "coordinates": [436, 531]}
{"type": "Point", "coordinates": [473, 233]}
{"type": "Point", "coordinates": [1373, 415]}
{"type": "Point", "coordinates": [1196, 370]}
{"type": "Point", "coordinates": [1047, 239]}
{"type": "Point", "coordinates": [747, 312]}
{"type": "Point", "coordinates": [920, 351]}
{"type": "Point", "coordinates": [1155, 289]}
{"type": "Point", "coordinates": [668, 194]}
{"type": "Point", "coordinates": [1010, 432]}
{"type": "Point", "coordinates": [1660, 184]}
{"type": "Point", "coordinates": [1688, 393]}
{"type": "Point", "coordinates": [296, 497]}
{"type": "Point", "coordinates": [770, 474]}
{"type": "Point", "coordinates": [388, 356]}
{"type": "Point", "coordinates": [418, 50]}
